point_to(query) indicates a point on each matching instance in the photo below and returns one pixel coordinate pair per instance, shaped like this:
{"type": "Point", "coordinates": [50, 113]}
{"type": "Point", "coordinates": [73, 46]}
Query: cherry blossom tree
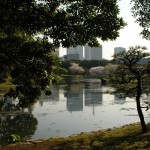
{"type": "Point", "coordinates": [96, 70]}
{"type": "Point", "coordinates": [76, 69]}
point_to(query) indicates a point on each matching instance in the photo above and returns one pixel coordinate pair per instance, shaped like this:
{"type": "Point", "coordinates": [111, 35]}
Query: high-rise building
{"type": "Point", "coordinates": [76, 50]}
{"type": "Point", "coordinates": [119, 50]}
{"type": "Point", "coordinates": [93, 53]}
{"type": "Point", "coordinates": [71, 57]}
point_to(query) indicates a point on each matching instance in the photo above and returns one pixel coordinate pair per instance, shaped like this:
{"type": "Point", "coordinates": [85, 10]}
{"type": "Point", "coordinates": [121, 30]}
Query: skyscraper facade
{"type": "Point", "coordinates": [93, 53]}
{"type": "Point", "coordinates": [76, 50]}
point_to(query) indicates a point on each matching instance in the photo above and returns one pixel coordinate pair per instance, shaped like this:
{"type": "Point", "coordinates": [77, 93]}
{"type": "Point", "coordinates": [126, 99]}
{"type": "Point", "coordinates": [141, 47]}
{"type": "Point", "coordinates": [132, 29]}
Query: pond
{"type": "Point", "coordinates": [71, 109]}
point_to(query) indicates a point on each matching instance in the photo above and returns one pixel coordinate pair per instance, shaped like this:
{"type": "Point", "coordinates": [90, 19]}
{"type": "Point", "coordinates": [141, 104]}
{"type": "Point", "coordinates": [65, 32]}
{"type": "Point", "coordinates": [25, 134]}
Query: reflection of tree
{"type": "Point", "coordinates": [23, 125]}
{"type": "Point", "coordinates": [74, 88]}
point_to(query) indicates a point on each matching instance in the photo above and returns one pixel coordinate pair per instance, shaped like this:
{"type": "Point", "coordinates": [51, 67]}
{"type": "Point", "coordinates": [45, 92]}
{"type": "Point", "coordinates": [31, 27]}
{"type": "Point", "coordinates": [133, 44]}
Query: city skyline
{"type": "Point", "coordinates": [83, 53]}
{"type": "Point", "coordinates": [129, 35]}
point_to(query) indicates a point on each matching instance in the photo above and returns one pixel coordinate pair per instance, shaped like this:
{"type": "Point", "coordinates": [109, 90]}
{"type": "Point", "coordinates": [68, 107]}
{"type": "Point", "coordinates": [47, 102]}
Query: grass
{"type": "Point", "coordinates": [5, 87]}
{"type": "Point", "coordinates": [128, 137]}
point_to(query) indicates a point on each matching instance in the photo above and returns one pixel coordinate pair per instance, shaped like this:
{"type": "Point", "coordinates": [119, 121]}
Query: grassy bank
{"type": "Point", "coordinates": [128, 137]}
{"type": "Point", "coordinates": [5, 87]}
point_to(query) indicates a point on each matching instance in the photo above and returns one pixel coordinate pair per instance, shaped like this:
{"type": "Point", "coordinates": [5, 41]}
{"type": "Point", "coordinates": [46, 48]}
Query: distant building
{"type": "Point", "coordinates": [93, 53]}
{"type": "Point", "coordinates": [119, 50]}
{"type": "Point", "coordinates": [71, 57]}
{"type": "Point", "coordinates": [76, 51]}
{"type": "Point", "coordinates": [83, 53]}
{"type": "Point", "coordinates": [144, 60]}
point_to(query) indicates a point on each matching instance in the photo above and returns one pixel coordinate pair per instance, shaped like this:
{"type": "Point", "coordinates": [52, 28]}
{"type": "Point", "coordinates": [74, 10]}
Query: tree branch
{"type": "Point", "coordinates": [147, 107]}
{"type": "Point", "coordinates": [38, 10]}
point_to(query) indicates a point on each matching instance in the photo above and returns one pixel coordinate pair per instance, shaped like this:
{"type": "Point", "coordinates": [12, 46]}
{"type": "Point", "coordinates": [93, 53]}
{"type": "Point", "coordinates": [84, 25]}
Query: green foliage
{"type": "Point", "coordinates": [14, 138]}
{"type": "Point", "coordinates": [30, 61]}
{"type": "Point", "coordinates": [17, 127]}
{"type": "Point", "coordinates": [87, 64]}
{"type": "Point", "coordinates": [130, 77]}
{"type": "Point", "coordinates": [125, 77]}
{"type": "Point", "coordinates": [141, 11]}
{"type": "Point", "coordinates": [110, 68]}
{"type": "Point", "coordinates": [97, 145]}
{"type": "Point", "coordinates": [84, 20]}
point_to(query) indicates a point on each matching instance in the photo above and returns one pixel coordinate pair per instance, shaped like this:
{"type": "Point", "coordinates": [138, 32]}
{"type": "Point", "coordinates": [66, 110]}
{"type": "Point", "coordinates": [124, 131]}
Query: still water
{"type": "Point", "coordinates": [71, 109]}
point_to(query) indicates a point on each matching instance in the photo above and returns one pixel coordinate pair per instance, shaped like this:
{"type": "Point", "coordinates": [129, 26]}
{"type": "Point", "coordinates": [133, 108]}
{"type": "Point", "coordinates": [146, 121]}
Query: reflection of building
{"type": "Point", "coordinates": [54, 97]}
{"type": "Point", "coordinates": [92, 98]}
{"type": "Point", "coordinates": [74, 102]}
{"type": "Point", "coordinates": [93, 53]}
{"type": "Point", "coordinates": [9, 103]}
{"type": "Point", "coordinates": [94, 84]}
{"type": "Point", "coordinates": [75, 97]}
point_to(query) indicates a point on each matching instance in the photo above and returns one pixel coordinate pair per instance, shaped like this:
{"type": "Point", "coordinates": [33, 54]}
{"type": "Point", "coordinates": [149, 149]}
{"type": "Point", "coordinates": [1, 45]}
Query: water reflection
{"type": "Point", "coordinates": [87, 94]}
{"type": "Point", "coordinates": [119, 98]}
{"type": "Point", "coordinates": [7, 104]}
{"type": "Point", "coordinates": [23, 125]}
{"type": "Point", "coordinates": [54, 97]}
{"type": "Point", "coordinates": [74, 97]}
{"type": "Point", "coordinates": [73, 108]}
{"type": "Point", "coordinates": [79, 95]}
{"type": "Point", "coordinates": [14, 120]}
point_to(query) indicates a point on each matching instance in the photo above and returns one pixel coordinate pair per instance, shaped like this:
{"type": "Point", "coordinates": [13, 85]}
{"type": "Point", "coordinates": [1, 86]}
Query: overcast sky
{"type": "Point", "coordinates": [129, 36]}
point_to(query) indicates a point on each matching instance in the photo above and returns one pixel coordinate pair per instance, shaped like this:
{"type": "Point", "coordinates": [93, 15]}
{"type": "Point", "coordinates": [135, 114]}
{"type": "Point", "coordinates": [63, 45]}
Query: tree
{"type": "Point", "coordinates": [131, 77]}
{"type": "Point", "coordinates": [66, 65]}
{"type": "Point", "coordinates": [141, 11]}
{"type": "Point", "coordinates": [87, 64]}
{"type": "Point", "coordinates": [96, 70]}
{"type": "Point", "coordinates": [23, 125]}
{"type": "Point", "coordinates": [76, 69]}
{"type": "Point", "coordinates": [110, 68]}
{"type": "Point", "coordinates": [29, 58]}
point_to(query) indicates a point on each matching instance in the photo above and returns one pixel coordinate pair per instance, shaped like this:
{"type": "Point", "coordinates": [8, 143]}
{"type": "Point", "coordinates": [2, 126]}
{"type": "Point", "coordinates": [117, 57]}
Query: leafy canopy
{"type": "Point", "coordinates": [30, 61]}
{"type": "Point", "coordinates": [130, 70]}
{"type": "Point", "coordinates": [132, 77]}
{"type": "Point", "coordinates": [69, 22]}
{"type": "Point", "coordinates": [141, 11]}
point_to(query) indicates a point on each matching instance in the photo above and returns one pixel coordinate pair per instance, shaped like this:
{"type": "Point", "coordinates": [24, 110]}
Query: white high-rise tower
{"type": "Point", "coordinates": [76, 50]}
{"type": "Point", "coordinates": [93, 53]}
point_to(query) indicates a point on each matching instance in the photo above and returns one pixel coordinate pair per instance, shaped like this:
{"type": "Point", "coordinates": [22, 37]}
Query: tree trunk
{"type": "Point", "coordinates": [140, 113]}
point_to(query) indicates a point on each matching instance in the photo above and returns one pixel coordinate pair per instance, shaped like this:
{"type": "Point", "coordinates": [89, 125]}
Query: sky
{"type": "Point", "coordinates": [129, 35]}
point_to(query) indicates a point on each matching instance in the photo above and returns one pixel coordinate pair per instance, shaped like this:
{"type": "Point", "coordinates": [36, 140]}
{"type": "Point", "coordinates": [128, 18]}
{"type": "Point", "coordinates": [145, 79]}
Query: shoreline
{"type": "Point", "coordinates": [100, 139]}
